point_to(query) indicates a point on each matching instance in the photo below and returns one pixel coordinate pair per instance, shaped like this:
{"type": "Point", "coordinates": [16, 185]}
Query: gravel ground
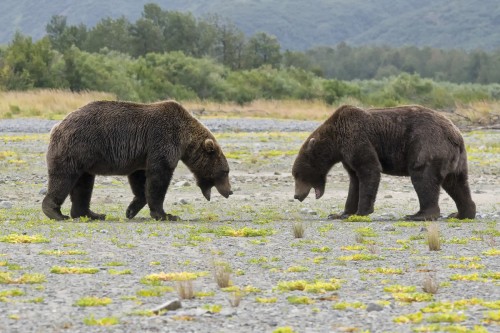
{"type": "Point", "coordinates": [466, 268]}
{"type": "Point", "coordinates": [215, 125]}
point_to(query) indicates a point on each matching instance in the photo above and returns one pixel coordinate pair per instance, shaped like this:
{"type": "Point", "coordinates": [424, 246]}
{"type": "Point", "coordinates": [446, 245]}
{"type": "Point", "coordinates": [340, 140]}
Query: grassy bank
{"type": "Point", "coordinates": [55, 104]}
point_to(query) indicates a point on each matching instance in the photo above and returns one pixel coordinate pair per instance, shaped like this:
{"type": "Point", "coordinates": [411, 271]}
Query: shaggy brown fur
{"type": "Point", "coordinates": [402, 141]}
{"type": "Point", "coordinates": [142, 141]}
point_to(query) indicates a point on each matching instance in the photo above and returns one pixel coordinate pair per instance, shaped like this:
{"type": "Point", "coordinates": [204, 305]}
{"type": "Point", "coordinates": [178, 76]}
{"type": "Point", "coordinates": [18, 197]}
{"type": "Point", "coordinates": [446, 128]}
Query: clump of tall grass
{"type": "Point", "coordinates": [433, 237]}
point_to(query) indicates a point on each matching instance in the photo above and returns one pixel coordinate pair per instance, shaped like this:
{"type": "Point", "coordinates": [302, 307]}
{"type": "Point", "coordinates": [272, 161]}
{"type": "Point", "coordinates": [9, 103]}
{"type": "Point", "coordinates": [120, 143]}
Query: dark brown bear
{"type": "Point", "coordinates": [143, 141]}
{"type": "Point", "coordinates": [402, 141]}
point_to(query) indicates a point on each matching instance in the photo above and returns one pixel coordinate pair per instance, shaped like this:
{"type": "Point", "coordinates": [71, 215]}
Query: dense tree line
{"type": "Point", "coordinates": [168, 54]}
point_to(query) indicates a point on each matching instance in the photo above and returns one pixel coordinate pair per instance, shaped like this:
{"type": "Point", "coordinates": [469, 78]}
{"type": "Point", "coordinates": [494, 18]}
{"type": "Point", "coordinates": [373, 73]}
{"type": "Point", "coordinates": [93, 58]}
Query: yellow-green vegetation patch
{"type": "Point", "coordinates": [358, 218]}
{"type": "Point", "coordinates": [76, 261]}
{"type": "Point", "coordinates": [324, 229]}
{"type": "Point", "coordinates": [213, 308]}
{"type": "Point", "coordinates": [455, 220]}
{"type": "Point", "coordinates": [28, 278]}
{"type": "Point", "coordinates": [322, 249]}
{"type": "Point", "coordinates": [466, 277]}
{"type": "Point", "coordinates": [450, 329]}
{"type": "Point", "coordinates": [25, 137]}
{"type": "Point", "coordinates": [492, 252]}
{"type": "Point", "coordinates": [155, 291]}
{"type": "Point", "coordinates": [144, 313]}
{"type": "Point", "coordinates": [297, 269]}
{"type": "Point", "coordinates": [353, 248]}
{"type": "Point", "coordinates": [457, 240]}
{"type": "Point", "coordinates": [318, 260]}
{"type": "Point", "coordinates": [93, 301]}
{"type": "Point", "coordinates": [320, 287]}
{"type": "Point", "coordinates": [11, 158]}
{"type": "Point", "coordinates": [359, 257]}
{"type": "Point", "coordinates": [266, 300]}
{"type": "Point", "coordinates": [292, 285]}
{"type": "Point", "coordinates": [62, 253]}
{"type": "Point", "coordinates": [396, 288]}
{"type": "Point", "coordinates": [348, 305]}
{"type": "Point", "coordinates": [312, 287]}
{"type": "Point", "coordinates": [406, 224]}
{"type": "Point", "coordinates": [5, 294]}
{"type": "Point", "coordinates": [247, 289]}
{"type": "Point", "coordinates": [23, 239]}
{"type": "Point", "coordinates": [413, 318]}
{"type": "Point", "coordinates": [243, 232]}
{"type": "Point", "coordinates": [120, 272]}
{"type": "Point", "coordinates": [105, 321]}
{"type": "Point", "coordinates": [446, 317]}
{"type": "Point", "coordinates": [382, 270]}
{"type": "Point", "coordinates": [115, 264]}
{"type": "Point", "coordinates": [175, 276]}
{"type": "Point", "coordinates": [491, 305]}
{"type": "Point", "coordinates": [412, 297]}
{"type": "Point", "coordinates": [492, 317]}
{"type": "Point", "coordinates": [201, 294]}
{"type": "Point", "coordinates": [73, 270]}
{"type": "Point", "coordinates": [284, 329]}
{"type": "Point", "coordinates": [275, 153]}
{"type": "Point", "coordinates": [470, 265]}
{"type": "Point", "coordinates": [491, 275]}
{"type": "Point", "coordinates": [35, 300]}
{"type": "Point", "coordinates": [299, 300]}
{"type": "Point", "coordinates": [366, 232]}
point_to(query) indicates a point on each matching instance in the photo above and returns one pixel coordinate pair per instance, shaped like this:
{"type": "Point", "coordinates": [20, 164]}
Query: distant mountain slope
{"type": "Point", "coordinates": [298, 24]}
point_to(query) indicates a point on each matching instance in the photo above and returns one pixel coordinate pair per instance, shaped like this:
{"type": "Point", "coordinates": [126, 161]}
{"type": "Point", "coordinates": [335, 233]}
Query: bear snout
{"type": "Point", "coordinates": [300, 197]}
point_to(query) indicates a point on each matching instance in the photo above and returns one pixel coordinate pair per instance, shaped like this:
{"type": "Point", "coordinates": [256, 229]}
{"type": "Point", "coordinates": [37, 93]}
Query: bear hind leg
{"type": "Point", "coordinates": [427, 185]}
{"type": "Point", "coordinates": [457, 187]}
{"type": "Point", "coordinates": [137, 181]}
{"type": "Point", "coordinates": [58, 190]}
{"type": "Point", "coordinates": [80, 198]}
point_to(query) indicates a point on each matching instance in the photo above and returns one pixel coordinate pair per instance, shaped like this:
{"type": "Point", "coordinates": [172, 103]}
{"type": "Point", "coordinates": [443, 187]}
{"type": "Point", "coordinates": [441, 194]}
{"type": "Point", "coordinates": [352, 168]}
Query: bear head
{"type": "Point", "coordinates": [310, 170]}
{"type": "Point", "coordinates": [210, 169]}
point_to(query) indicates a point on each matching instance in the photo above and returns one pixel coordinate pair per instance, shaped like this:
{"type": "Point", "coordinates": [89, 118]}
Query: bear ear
{"type": "Point", "coordinates": [209, 145]}
{"type": "Point", "coordinates": [311, 143]}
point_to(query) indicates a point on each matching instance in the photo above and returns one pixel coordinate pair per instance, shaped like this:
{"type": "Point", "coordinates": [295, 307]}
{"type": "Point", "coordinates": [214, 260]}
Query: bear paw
{"type": "Point", "coordinates": [161, 216]}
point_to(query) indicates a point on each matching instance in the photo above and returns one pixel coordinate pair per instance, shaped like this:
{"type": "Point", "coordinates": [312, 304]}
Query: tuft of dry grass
{"type": "Point", "coordinates": [185, 289]}
{"type": "Point", "coordinates": [222, 274]}
{"type": "Point", "coordinates": [46, 103]}
{"type": "Point", "coordinates": [372, 248]}
{"type": "Point", "coordinates": [235, 299]}
{"type": "Point", "coordinates": [359, 238]}
{"type": "Point", "coordinates": [298, 230]}
{"type": "Point", "coordinates": [433, 237]}
{"type": "Point", "coordinates": [430, 284]}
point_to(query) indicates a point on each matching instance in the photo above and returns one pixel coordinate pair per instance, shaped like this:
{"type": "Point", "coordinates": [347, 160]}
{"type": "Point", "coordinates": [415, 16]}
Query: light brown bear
{"type": "Point", "coordinates": [401, 141]}
{"type": "Point", "coordinates": [143, 141]}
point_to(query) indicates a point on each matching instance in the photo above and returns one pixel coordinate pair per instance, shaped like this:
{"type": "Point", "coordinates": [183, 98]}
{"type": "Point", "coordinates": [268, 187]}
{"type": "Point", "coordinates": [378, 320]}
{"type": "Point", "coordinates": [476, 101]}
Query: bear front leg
{"type": "Point", "coordinates": [369, 181]}
{"type": "Point", "coordinates": [157, 181]}
{"type": "Point", "coordinates": [351, 205]}
{"type": "Point", "coordinates": [80, 195]}
{"type": "Point", "coordinates": [137, 181]}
